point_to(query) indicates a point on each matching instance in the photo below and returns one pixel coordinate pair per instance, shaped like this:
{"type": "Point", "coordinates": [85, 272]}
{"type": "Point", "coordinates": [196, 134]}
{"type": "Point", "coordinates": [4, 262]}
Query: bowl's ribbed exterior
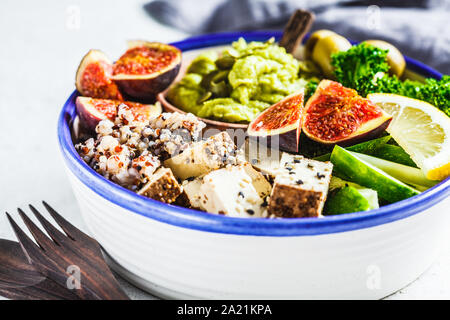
{"type": "Point", "coordinates": [184, 263]}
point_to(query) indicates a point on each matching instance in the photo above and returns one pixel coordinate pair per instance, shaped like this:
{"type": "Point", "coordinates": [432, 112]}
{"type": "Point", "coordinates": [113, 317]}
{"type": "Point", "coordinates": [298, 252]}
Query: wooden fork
{"type": "Point", "coordinates": [19, 280]}
{"type": "Point", "coordinates": [72, 259]}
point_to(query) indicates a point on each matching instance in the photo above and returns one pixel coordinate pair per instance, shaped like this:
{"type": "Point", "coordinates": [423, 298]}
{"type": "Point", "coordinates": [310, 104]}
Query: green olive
{"type": "Point", "coordinates": [395, 58]}
{"type": "Point", "coordinates": [323, 50]}
{"type": "Point", "coordinates": [311, 42]}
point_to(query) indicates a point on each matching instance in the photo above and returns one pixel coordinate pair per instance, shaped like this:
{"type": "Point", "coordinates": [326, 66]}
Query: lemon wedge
{"type": "Point", "coordinates": [421, 129]}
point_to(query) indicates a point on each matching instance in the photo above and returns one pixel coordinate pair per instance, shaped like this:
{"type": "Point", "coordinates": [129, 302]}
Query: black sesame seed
{"type": "Point", "coordinates": [241, 194]}
{"type": "Point", "coordinates": [289, 169]}
{"type": "Point", "coordinates": [264, 204]}
{"type": "Point", "coordinates": [190, 178]}
{"type": "Point", "coordinates": [250, 212]}
{"type": "Point", "coordinates": [296, 161]}
{"type": "Point", "coordinates": [320, 176]}
{"type": "Point", "coordinates": [310, 166]}
{"type": "Point", "coordinates": [292, 172]}
{"type": "Point", "coordinates": [299, 182]}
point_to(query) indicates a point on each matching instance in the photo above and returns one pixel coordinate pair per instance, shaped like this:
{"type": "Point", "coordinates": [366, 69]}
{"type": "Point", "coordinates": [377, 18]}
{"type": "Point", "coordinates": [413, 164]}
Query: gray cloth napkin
{"type": "Point", "coordinates": [419, 28]}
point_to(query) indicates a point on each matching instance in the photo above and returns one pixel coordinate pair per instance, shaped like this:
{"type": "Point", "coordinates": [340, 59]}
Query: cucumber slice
{"type": "Point", "coordinates": [406, 174]}
{"type": "Point", "coordinates": [367, 147]}
{"type": "Point", "coordinates": [349, 199]}
{"type": "Point", "coordinates": [367, 175]}
{"type": "Point", "coordinates": [341, 191]}
{"type": "Point", "coordinates": [371, 196]}
{"type": "Point", "coordinates": [392, 153]}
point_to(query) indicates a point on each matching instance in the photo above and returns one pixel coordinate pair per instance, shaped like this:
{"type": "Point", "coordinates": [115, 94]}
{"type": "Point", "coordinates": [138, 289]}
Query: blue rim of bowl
{"type": "Point", "coordinates": [203, 221]}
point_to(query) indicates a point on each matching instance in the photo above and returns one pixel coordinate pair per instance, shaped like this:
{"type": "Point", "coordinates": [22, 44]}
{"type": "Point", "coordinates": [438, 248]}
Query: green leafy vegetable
{"type": "Point", "coordinates": [364, 68]}
{"type": "Point", "coordinates": [359, 66]}
{"type": "Point", "coordinates": [392, 153]}
{"type": "Point", "coordinates": [367, 147]}
{"type": "Point", "coordinates": [311, 87]}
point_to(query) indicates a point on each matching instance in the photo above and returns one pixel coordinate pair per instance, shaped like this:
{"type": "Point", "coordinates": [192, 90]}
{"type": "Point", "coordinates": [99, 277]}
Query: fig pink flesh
{"type": "Point", "coordinates": [280, 124]}
{"type": "Point", "coordinates": [338, 115]}
{"type": "Point", "coordinates": [147, 69]}
{"type": "Point", "coordinates": [93, 78]}
{"type": "Point", "coordinates": [92, 111]}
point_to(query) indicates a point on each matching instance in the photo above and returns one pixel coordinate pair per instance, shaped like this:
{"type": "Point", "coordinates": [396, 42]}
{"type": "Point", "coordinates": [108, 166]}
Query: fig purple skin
{"type": "Point", "coordinates": [288, 141]}
{"type": "Point", "coordinates": [369, 135]}
{"type": "Point", "coordinates": [148, 89]}
{"type": "Point", "coordinates": [141, 83]}
{"type": "Point", "coordinates": [88, 114]}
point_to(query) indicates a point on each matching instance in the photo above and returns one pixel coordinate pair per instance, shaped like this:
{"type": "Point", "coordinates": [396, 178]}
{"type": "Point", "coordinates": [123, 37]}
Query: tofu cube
{"type": "Point", "coordinates": [228, 191]}
{"type": "Point", "coordinates": [300, 187]}
{"type": "Point", "coordinates": [204, 156]}
{"type": "Point", "coordinates": [261, 157]}
{"type": "Point", "coordinates": [195, 192]}
{"type": "Point", "coordinates": [183, 200]}
{"type": "Point", "coordinates": [192, 191]}
{"type": "Point", "coordinates": [260, 183]}
{"type": "Point", "coordinates": [162, 186]}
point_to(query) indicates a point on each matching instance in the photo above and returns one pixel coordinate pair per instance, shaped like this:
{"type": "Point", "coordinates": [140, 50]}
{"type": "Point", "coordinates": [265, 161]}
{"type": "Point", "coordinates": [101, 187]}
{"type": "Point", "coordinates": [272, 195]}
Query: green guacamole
{"type": "Point", "coordinates": [239, 83]}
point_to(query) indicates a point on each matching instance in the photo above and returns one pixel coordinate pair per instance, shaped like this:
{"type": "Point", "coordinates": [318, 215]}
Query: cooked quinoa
{"type": "Point", "coordinates": [128, 152]}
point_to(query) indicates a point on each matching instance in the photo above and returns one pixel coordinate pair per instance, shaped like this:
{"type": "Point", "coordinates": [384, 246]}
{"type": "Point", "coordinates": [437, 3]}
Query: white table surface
{"type": "Point", "coordinates": [42, 43]}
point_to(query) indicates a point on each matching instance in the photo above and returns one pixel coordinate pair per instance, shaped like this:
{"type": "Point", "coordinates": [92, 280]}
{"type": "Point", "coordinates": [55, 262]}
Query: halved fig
{"type": "Point", "coordinates": [280, 124]}
{"type": "Point", "coordinates": [91, 111]}
{"type": "Point", "coordinates": [338, 115]}
{"type": "Point", "coordinates": [147, 68]}
{"type": "Point", "coordinates": [93, 77]}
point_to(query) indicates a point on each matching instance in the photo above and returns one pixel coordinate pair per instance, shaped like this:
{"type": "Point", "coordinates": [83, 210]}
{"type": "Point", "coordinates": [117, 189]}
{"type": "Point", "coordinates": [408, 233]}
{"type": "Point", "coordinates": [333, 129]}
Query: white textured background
{"type": "Point", "coordinates": [42, 43]}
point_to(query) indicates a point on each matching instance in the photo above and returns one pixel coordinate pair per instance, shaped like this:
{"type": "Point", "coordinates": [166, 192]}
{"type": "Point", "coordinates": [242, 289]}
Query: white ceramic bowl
{"type": "Point", "coordinates": [175, 252]}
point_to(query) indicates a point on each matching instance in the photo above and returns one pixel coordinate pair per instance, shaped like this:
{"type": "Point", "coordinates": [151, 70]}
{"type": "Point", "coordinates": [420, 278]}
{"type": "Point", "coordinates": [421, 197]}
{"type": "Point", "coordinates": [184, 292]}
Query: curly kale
{"type": "Point", "coordinates": [311, 87]}
{"type": "Point", "coordinates": [364, 68]}
{"type": "Point", "coordinates": [358, 67]}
